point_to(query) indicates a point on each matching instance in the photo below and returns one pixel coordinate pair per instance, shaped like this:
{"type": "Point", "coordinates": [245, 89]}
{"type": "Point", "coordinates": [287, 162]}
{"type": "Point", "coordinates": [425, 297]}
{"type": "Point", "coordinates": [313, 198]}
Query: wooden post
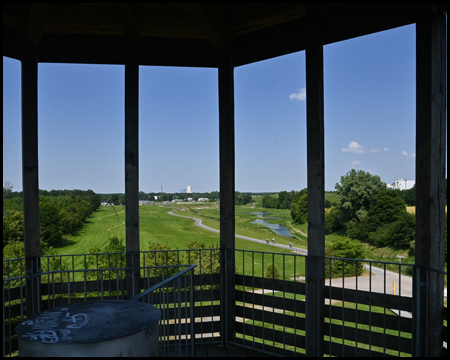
{"type": "Point", "coordinates": [227, 189]}
{"type": "Point", "coordinates": [132, 169]}
{"type": "Point", "coordinates": [431, 112]}
{"type": "Point", "coordinates": [30, 176]}
{"type": "Point", "coordinates": [315, 270]}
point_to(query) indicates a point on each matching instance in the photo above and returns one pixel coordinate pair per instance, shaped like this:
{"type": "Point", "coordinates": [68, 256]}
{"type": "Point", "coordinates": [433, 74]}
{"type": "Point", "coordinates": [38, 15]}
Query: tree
{"type": "Point", "coordinates": [354, 192]}
{"type": "Point", "coordinates": [299, 207]}
{"type": "Point", "coordinates": [286, 199]}
{"type": "Point", "coordinates": [272, 272]}
{"type": "Point", "coordinates": [114, 199]}
{"type": "Point", "coordinates": [7, 189]}
{"type": "Point", "coordinates": [387, 222]}
{"type": "Point", "coordinates": [207, 259]}
{"type": "Point", "coordinates": [270, 202]}
{"type": "Point", "coordinates": [344, 247]}
{"type": "Point", "coordinates": [12, 227]}
{"type": "Point", "coordinates": [50, 221]}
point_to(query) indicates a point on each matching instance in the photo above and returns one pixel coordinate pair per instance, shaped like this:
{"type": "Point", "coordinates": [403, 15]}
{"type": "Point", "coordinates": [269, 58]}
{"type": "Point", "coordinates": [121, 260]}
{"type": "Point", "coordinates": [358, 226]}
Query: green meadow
{"type": "Point", "coordinates": [157, 226]}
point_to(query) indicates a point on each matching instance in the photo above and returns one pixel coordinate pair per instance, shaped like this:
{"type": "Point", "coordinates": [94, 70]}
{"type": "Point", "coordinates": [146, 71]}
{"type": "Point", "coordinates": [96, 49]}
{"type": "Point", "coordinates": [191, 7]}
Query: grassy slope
{"type": "Point", "coordinates": [158, 226]}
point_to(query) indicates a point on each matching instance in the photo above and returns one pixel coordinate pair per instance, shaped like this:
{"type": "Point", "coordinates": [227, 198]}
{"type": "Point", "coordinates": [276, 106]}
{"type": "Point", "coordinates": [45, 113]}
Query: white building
{"type": "Point", "coordinates": [189, 189]}
{"type": "Point", "coordinates": [401, 184]}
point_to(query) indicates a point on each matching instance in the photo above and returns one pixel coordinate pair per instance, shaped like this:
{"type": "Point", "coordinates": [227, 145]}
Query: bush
{"type": "Point", "coordinates": [272, 272]}
{"type": "Point", "coordinates": [299, 207]}
{"type": "Point", "coordinates": [332, 223]}
{"type": "Point", "coordinates": [344, 248]}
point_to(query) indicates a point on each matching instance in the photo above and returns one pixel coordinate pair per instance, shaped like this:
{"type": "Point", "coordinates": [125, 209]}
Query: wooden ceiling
{"type": "Point", "coordinates": [193, 34]}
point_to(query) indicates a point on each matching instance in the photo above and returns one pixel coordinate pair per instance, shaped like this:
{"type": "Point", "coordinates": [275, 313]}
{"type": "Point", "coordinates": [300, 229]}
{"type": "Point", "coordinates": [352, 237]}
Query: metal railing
{"type": "Point", "coordinates": [370, 307]}
{"type": "Point", "coordinates": [174, 298]}
{"type": "Point", "coordinates": [170, 288]}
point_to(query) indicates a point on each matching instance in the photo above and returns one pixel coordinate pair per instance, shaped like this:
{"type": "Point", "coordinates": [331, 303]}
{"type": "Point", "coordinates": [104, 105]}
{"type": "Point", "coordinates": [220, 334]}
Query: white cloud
{"type": "Point", "coordinates": [354, 147]}
{"type": "Point", "coordinates": [406, 155]}
{"type": "Point", "coordinates": [301, 95]}
{"type": "Point", "coordinates": [374, 150]}
{"type": "Point", "coordinates": [385, 149]}
{"type": "Point", "coordinates": [356, 162]}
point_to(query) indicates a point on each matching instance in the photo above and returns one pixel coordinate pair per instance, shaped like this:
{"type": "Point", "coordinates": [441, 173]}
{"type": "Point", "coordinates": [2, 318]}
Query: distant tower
{"type": "Point", "coordinates": [189, 189]}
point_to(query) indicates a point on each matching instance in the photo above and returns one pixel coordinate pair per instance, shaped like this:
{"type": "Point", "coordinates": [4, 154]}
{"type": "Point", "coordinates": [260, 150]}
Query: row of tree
{"type": "Point", "coordinates": [119, 199]}
{"type": "Point", "coordinates": [61, 212]}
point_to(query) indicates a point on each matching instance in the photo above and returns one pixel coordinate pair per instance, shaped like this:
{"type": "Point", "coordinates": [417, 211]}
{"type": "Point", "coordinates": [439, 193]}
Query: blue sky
{"type": "Point", "coordinates": [369, 121]}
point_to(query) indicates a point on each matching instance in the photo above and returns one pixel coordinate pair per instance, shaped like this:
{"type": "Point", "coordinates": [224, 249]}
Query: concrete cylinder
{"type": "Point", "coordinates": [97, 328]}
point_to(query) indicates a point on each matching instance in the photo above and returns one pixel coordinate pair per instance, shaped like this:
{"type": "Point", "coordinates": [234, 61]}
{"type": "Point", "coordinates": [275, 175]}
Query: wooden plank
{"type": "Point", "coordinates": [372, 338]}
{"type": "Point", "coordinates": [269, 334]}
{"type": "Point", "coordinates": [369, 318]}
{"type": "Point", "coordinates": [227, 192]}
{"type": "Point", "coordinates": [263, 350]}
{"type": "Point", "coordinates": [347, 351]}
{"type": "Point", "coordinates": [370, 298]}
{"type": "Point", "coordinates": [288, 286]}
{"type": "Point", "coordinates": [274, 302]}
{"type": "Point", "coordinates": [270, 317]}
{"type": "Point", "coordinates": [431, 117]}
{"type": "Point", "coordinates": [211, 26]}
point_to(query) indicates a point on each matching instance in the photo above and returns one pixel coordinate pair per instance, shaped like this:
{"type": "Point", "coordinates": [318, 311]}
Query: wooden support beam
{"type": "Point", "coordinates": [315, 270]}
{"type": "Point", "coordinates": [132, 168]}
{"type": "Point", "coordinates": [30, 175]}
{"type": "Point", "coordinates": [210, 24]}
{"type": "Point", "coordinates": [37, 16]}
{"type": "Point", "coordinates": [431, 116]}
{"type": "Point", "coordinates": [227, 203]}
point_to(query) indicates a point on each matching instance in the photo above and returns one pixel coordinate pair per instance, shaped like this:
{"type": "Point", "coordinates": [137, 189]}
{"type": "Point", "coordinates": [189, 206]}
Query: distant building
{"type": "Point", "coordinates": [165, 203]}
{"type": "Point", "coordinates": [189, 189]}
{"type": "Point", "coordinates": [146, 202]}
{"type": "Point", "coordinates": [401, 184]}
{"type": "Point", "coordinates": [203, 199]}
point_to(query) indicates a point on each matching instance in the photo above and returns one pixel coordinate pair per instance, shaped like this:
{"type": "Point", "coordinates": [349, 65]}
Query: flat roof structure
{"type": "Point", "coordinates": [225, 36]}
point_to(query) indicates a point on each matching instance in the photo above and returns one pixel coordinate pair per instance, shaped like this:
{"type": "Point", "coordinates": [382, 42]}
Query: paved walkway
{"type": "Point", "coordinates": [378, 280]}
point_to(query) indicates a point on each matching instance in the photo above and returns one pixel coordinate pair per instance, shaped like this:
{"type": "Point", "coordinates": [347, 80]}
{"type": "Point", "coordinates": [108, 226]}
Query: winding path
{"type": "Point", "coordinates": [198, 222]}
{"type": "Point", "coordinates": [378, 280]}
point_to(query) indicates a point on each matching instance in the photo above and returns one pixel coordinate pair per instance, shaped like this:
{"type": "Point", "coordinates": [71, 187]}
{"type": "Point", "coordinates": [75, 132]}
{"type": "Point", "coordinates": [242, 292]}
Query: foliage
{"type": "Point", "coordinates": [207, 261]}
{"type": "Point", "coordinates": [241, 198]}
{"type": "Point", "coordinates": [387, 223]}
{"type": "Point", "coordinates": [344, 247]}
{"type": "Point", "coordinates": [408, 196]}
{"type": "Point", "coordinates": [354, 192]}
{"type": "Point", "coordinates": [270, 202]}
{"type": "Point", "coordinates": [13, 251]}
{"type": "Point", "coordinates": [272, 272]}
{"type": "Point", "coordinates": [332, 223]}
{"type": "Point", "coordinates": [299, 207]}
{"type": "Point", "coordinates": [12, 227]}
{"type": "Point", "coordinates": [112, 256]}
{"type": "Point", "coordinates": [285, 198]}
{"type": "Point", "coordinates": [162, 256]}
{"type": "Point", "coordinates": [50, 222]}
{"type": "Point", "coordinates": [114, 199]}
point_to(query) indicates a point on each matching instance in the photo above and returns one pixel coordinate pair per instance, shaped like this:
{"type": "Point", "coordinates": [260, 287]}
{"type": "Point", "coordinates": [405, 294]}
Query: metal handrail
{"type": "Point", "coordinates": [162, 283]}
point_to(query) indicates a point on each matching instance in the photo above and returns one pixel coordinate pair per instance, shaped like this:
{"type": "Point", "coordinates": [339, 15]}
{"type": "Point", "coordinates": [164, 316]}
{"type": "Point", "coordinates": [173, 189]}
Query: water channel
{"type": "Point", "coordinates": [276, 228]}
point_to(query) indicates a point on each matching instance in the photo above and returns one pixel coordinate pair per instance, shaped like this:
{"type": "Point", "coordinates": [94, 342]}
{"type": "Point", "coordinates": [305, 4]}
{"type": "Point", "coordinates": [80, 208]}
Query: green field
{"type": "Point", "coordinates": [157, 226]}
